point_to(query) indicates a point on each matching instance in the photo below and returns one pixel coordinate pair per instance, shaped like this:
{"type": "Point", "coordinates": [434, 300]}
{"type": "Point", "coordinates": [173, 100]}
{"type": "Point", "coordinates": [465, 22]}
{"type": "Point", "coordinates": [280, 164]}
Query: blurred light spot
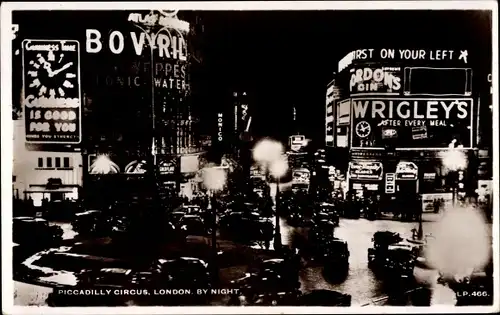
{"type": "Point", "coordinates": [462, 243]}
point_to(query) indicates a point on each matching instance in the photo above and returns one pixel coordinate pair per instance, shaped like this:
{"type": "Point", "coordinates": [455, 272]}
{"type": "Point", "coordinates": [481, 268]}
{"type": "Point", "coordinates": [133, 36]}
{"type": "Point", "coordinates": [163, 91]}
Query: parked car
{"type": "Point", "coordinates": [35, 232]}
{"type": "Point", "coordinates": [400, 260]}
{"type": "Point", "coordinates": [105, 277]}
{"type": "Point", "coordinates": [91, 222]}
{"type": "Point", "coordinates": [191, 224]}
{"type": "Point", "coordinates": [327, 211]}
{"type": "Point", "coordinates": [271, 276]}
{"type": "Point", "coordinates": [175, 217]}
{"type": "Point", "coordinates": [336, 255]}
{"type": "Point", "coordinates": [190, 209]}
{"type": "Point", "coordinates": [183, 272]}
{"type": "Point", "coordinates": [243, 226]}
{"type": "Point", "coordinates": [377, 255]}
{"type": "Point", "coordinates": [321, 232]}
{"type": "Point", "coordinates": [294, 218]}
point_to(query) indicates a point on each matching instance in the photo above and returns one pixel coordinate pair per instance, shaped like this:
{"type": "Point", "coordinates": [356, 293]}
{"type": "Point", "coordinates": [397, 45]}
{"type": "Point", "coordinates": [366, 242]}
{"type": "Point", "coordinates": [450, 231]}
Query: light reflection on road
{"type": "Point", "coordinates": [361, 283]}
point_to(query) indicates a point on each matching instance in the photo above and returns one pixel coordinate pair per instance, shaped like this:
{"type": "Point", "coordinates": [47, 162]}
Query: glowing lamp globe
{"type": "Point", "coordinates": [267, 151]}
{"type": "Point", "coordinates": [279, 168]}
{"type": "Point", "coordinates": [214, 178]}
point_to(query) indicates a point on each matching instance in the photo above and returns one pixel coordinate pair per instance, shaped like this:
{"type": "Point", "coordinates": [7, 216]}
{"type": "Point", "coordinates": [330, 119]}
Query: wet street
{"type": "Point", "coordinates": [361, 283]}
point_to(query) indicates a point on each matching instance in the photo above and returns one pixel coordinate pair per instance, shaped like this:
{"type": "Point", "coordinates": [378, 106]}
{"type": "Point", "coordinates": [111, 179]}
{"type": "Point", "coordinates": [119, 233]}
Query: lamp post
{"type": "Point", "coordinates": [454, 160]}
{"type": "Point", "coordinates": [269, 154]}
{"type": "Point", "coordinates": [214, 179]}
{"type": "Point", "coordinates": [278, 169]}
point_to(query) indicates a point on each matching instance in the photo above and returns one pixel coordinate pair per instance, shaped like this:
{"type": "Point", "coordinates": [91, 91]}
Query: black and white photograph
{"type": "Point", "coordinates": [225, 156]}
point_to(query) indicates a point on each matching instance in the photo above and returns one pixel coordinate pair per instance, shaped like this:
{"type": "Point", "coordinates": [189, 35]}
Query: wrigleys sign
{"type": "Point", "coordinates": [411, 122]}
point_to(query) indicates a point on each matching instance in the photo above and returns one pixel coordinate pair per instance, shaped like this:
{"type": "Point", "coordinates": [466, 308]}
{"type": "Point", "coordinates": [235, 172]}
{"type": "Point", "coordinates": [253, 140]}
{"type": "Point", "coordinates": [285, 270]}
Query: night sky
{"type": "Point", "coordinates": [286, 58]}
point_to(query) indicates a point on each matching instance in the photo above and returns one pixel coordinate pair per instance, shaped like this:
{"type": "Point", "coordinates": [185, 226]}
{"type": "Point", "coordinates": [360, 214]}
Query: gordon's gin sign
{"type": "Point", "coordinates": [368, 80]}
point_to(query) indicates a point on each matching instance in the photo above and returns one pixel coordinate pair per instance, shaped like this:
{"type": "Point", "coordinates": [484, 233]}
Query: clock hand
{"type": "Point", "coordinates": [46, 66]}
{"type": "Point", "coordinates": [66, 66]}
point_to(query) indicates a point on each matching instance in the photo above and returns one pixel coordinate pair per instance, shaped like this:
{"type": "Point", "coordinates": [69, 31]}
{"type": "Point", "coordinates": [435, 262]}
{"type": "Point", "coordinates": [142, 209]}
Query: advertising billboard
{"type": "Point", "coordinates": [52, 94]}
{"type": "Point", "coordinates": [301, 176]}
{"type": "Point", "coordinates": [344, 112]}
{"type": "Point", "coordinates": [375, 80]}
{"type": "Point", "coordinates": [438, 81]}
{"type": "Point", "coordinates": [330, 115]}
{"type": "Point", "coordinates": [452, 58]}
{"type": "Point", "coordinates": [364, 170]}
{"type": "Point", "coordinates": [406, 171]}
{"type": "Point", "coordinates": [417, 123]}
{"type": "Point", "coordinates": [390, 183]}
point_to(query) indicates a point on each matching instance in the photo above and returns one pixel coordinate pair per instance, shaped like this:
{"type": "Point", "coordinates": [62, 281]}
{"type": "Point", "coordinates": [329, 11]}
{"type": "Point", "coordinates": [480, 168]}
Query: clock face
{"type": "Point", "coordinates": [363, 129]}
{"type": "Point", "coordinates": [52, 74]}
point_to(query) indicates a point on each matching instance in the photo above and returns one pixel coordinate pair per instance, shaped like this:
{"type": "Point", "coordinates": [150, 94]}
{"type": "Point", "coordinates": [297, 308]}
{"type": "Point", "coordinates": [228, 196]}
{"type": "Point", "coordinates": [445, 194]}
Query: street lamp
{"type": "Point", "coordinates": [277, 170]}
{"type": "Point", "coordinates": [269, 154]}
{"type": "Point", "coordinates": [214, 179]}
{"type": "Point", "coordinates": [454, 160]}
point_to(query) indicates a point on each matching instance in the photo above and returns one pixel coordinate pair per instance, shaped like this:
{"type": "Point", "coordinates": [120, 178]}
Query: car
{"type": "Point", "coordinates": [336, 254]}
{"type": "Point", "coordinates": [89, 222]}
{"type": "Point", "coordinates": [190, 209]}
{"type": "Point", "coordinates": [265, 282]}
{"type": "Point", "coordinates": [191, 224]}
{"type": "Point", "coordinates": [285, 268]}
{"type": "Point", "coordinates": [271, 275]}
{"type": "Point", "coordinates": [243, 226]}
{"type": "Point", "coordinates": [35, 232]}
{"type": "Point", "coordinates": [182, 272]}
{"type": "Point", "coordinates": [105, 277]}
{"type": "Point", "coordinates": [294, 218]}
{"type": "Point", "coordinates": [327, 211]}
{"type": "Point", "coordinates": [175, 217]}
{"type": "Point", "coordinates": [325, 298]}
{"type": "Point", "coordinates": [377, 254]}
{"type": "Point", "coordinates": [322, 231]}
{"type": "Point", "coordinates": [400, 260]}
{"type": "Point", "coordinates": [142, 279]}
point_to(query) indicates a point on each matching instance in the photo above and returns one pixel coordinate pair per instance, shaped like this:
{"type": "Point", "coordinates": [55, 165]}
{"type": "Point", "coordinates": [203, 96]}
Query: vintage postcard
{"type": "Point", "coordinates": [250, 157]}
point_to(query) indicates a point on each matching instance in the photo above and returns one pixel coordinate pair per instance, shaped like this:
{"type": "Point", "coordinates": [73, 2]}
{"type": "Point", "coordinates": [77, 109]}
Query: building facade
{"type": "Point", "coordinates": [399, 113]}
{"type": "Point", "coordinates": [133, 105]}
{"type": "Point", "coordinates": [47, 161]}
{"type": "Point", "coordinates": [34, 172]}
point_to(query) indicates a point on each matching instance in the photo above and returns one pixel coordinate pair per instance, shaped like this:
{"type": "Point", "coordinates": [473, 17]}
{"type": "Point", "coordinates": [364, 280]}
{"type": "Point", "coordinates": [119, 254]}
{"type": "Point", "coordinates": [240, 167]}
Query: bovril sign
{"type": "Point", "coordinates": [383, 80]}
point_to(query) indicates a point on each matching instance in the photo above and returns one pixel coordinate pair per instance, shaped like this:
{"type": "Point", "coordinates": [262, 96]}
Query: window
{"type": "Point", "coordinates": [49, 162]}
{"type": "Point", "coordinates": [58, 162]}
{"type": "Point", "coordinates": [40, 162]}
{"type": "Point", "coordinates": [66, 162]}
